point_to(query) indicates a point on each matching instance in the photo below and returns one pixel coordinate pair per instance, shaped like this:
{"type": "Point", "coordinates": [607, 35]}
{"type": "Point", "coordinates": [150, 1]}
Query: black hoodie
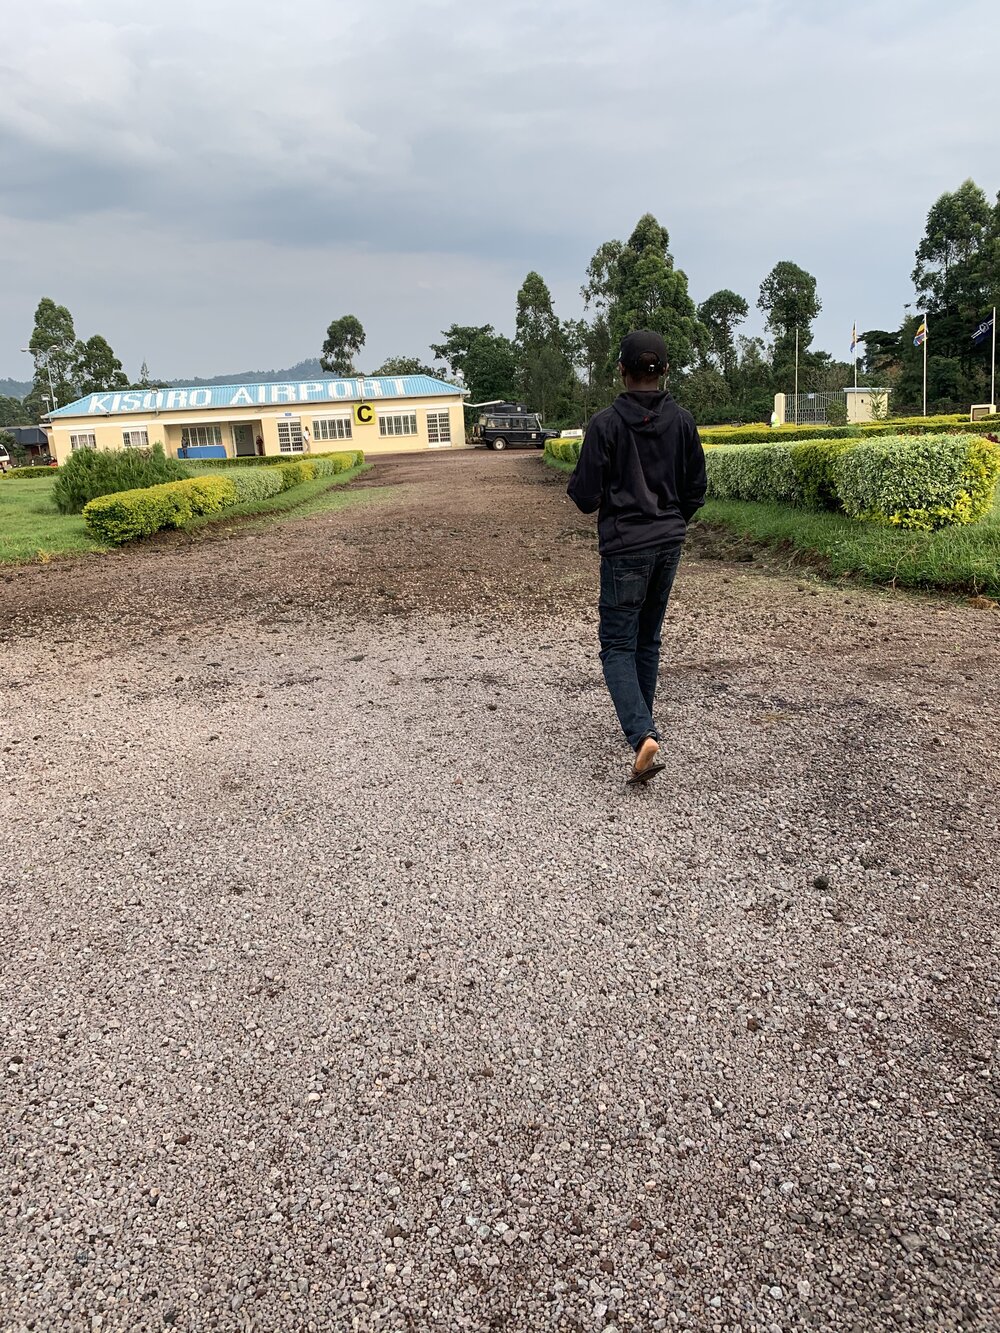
{"type": "Point", "coordinates": [643, 466]}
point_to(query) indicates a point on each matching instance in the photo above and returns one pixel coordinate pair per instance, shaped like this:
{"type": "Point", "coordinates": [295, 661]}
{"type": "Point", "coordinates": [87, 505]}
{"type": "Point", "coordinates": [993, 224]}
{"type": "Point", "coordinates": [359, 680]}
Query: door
{"type": "Point", "coordinates": [243, 440]}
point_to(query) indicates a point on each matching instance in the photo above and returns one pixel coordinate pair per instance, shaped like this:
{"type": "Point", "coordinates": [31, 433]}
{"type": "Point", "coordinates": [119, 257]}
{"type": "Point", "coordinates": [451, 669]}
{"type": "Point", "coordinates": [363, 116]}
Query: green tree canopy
{"type": "Point", "coordinates": [722, 314]}
{"type": "Point", "coordinates": [345, 338]}
{"type": "Point", "coordinates": [949, 270]}
{"type": "Point", "coordinates": [13, 413]}
{"type": "Point", "coordinates": [636, 286]}
{"type": "Point", "coordinates": [97, 367]}
{"type": "Point", "coordinates": [544, 369]}
{"type": "Point", "coordinates": [404, 365]}
{"type": "Point", "coordinates": [55, 350]}
{"type": "Point", "coordinates": [484, 358]}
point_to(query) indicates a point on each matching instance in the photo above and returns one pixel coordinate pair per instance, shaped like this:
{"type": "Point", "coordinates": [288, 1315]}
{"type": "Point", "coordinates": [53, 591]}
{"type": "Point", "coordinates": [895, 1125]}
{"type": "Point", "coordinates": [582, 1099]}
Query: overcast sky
{"type": "Point", "coordinates": [209, 183]}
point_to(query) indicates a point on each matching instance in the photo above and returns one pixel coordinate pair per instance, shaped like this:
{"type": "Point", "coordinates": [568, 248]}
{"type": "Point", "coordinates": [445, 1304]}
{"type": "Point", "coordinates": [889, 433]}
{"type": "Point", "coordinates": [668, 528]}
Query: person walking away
{"type": "Point", "coordinates": [642, 468]}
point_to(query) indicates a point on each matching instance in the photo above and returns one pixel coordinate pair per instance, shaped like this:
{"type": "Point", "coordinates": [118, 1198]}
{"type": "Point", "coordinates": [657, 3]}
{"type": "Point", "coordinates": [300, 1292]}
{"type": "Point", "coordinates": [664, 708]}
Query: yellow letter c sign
{"type": "Point", "coordinates": [364, 414]}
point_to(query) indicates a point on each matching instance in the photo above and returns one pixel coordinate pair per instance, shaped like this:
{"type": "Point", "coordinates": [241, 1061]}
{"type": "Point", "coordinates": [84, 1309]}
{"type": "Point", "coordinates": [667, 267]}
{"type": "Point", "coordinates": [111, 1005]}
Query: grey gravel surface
{"type": "Point", "coordinates": [343, 984]}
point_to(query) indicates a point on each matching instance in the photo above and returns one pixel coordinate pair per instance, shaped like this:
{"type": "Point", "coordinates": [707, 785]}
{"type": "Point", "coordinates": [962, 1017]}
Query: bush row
{"type": "Point", "coordinates": [907, 482]}
{"type": "Point", "coordinates": [563, 451]}
{"type": "Point", "coordinates": [279, 460]}
{"type": "Point", "coordinates": [863, 431]}
{"type": "Point", "coordinates": [88, 473]}
{"type": "Point", "coordinates": [126, 515]}
{"type": "Point", "coordinates": [27, 473]}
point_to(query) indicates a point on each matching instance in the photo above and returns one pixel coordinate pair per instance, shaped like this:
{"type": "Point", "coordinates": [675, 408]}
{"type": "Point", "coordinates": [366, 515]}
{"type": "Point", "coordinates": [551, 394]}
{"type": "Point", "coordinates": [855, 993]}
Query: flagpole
{"type": "Point", "coordinates": [926, 339]}
{"type": "Point", "coordinates": [855, 356]}
{"type": "Point", "coordinates": [993, 363]}
{"type": "Point", "coordinates": [796, 376]}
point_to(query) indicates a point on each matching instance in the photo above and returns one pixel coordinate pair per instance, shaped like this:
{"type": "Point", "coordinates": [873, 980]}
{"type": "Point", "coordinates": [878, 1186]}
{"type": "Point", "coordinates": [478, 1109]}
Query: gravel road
{"type": "Point", "coordinates": [343, 985]}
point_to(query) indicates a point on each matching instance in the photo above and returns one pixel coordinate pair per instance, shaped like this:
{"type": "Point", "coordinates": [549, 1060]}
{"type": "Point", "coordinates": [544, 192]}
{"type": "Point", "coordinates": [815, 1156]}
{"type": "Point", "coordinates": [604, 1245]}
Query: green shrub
{"type": "Point", "coordinates": [563, 451]}
{"type": "Point", "coordinates": [899, 426]}
{"type": "Point", "coordinates": [279, 460]}
{"type": "Point", "coordinates": [836, 412]}
{"type": "Point", "coordinates": [256, 484]}
{"type": "Point", "coordinates": [923, 484]}
{"type": "Point", "coordinates": [815, 462]}
{"type": "Point", "coordinates": [28, 473]}
{"type": "Point", "coordinates": [759, 472]}
{"type": "Point", "coordinates": [125, 515]}
{"type": "Point", "coordinates": [88, 473]}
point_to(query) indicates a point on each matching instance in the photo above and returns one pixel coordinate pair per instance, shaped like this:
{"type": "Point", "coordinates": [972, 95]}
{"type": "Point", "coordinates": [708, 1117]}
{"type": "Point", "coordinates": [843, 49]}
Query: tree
{"type": "Point", "coordinates": [98, 369]}
{"type": "Point", "coordinates": [544, 369]}
{"type": "Point", "coordinates": [636, 286]}
{"type": "Point", "coordinates": [484, 358]}
{"type": "Point", "coordinates": [53, 345]}
{"type": "Point", "coordinates": [789, 301]}
{"type": "Point", "coordinates": [12, 412]}
{"type": "Point", "coordinates": [883, 354]}
{"type": "Point", "coordinates": [705, 394]}
{"type": "Point", "coordinates": [344, 340]}
{"type": "Point", "coordinates": [721, 315]}
{"type": "Point", "coordinates": [404, 365]}
{"type": "Point", "coordinates": [752, 384]}
{"type": "Point", "coordinates": [948, 270]}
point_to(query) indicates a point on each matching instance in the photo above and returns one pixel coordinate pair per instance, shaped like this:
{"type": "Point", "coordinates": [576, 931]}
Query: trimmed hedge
{"type": "Point", "coordinates": [88, 473]}
{"type": "Point", "coordinates": [922, 484]}
{"type": "Point", "coordinates": [126, 515]}
{"type": "Point", "coordinates": [28, 473]}
{"type": "Point", "coordinates": [129, 514]}
{"type": "Point", "coordinates": [863, 431]}
{"type": "Point", "coordinates": [355, 456]}
{"type": "Point", "coordinates": [907, 482]}
{"type": "Point", "coordinates": [563, 451]}
{"type": "Point", "coordinates": [260, 484]}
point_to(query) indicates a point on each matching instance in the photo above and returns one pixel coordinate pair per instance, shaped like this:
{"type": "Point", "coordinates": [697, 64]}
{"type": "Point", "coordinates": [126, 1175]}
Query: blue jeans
{"type": "Point", "coordinates": [635, 589]}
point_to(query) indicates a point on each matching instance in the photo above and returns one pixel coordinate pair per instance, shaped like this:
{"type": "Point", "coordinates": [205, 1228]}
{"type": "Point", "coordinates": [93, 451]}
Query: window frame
{"type": "Point", "coordinates": [394, 434]}
{"type": "Point", "coordinates": [436, 437]}
{"type": "Point", "coordinates": [290, 424]}
{"type": "Point", "coordinates": [343, 422]}
{"type": "Point", "coordinates": [127, 443]}
{"type": "Point", "coordinates": [188, 443]}
{"type": "Point", "coordinates": [82, 440]}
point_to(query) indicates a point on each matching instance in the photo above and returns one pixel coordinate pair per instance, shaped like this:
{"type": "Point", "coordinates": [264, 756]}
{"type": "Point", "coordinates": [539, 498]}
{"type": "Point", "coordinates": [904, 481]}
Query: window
{"type": "Point", "coordinates": [135, 439]}
{"type": "Point", "coordinates": [200, 435]}
{"type": "Point", "coordinates": [403, 424]}
{"type": "Point", "coordinates": [290, 437]}
{"type": "Point", "coordinates": [332, 428]}
{"type": "Point", "coordinates": [83, 441]}
{"type": "Point", "coordinates": [439, 427]}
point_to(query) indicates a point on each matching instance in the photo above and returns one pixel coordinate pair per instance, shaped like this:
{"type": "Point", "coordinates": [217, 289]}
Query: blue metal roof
{"type": "Point", "coordinates": [300, 393]}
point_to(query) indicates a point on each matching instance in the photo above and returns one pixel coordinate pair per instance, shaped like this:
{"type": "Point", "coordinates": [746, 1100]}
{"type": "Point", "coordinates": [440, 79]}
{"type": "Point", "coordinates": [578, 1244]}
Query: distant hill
{"type": "Point", "coordinates": [309, 369]}
{"type": "Point", "coordinates": [303, 370]}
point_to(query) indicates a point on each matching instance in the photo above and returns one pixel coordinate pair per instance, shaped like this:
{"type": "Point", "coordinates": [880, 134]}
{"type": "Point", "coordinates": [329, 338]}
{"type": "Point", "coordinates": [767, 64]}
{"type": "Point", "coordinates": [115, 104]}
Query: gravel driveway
{"type": "Point", "coordinates": [343, 985]}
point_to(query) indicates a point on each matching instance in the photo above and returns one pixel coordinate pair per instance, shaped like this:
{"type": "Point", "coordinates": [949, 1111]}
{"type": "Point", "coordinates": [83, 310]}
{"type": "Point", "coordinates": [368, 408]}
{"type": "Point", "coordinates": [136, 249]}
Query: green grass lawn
{"type": "Point", "coordinates": [962, 559]}
{"type": "Point", "coordinates": [32, 529]}
{"type": "Point", "coordinates": [955, 559]}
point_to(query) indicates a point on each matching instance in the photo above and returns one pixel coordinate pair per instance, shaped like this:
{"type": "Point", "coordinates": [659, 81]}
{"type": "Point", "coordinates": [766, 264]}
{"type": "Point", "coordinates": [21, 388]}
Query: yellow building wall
{"type": "Point", "coordinates": [166, 427]}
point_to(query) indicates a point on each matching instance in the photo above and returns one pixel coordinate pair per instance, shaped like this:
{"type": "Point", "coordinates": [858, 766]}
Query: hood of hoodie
{"type": "Point", "coordinates": [642, 411]}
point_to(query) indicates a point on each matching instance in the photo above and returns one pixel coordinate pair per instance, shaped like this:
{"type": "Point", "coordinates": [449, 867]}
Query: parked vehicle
{"type": "Point", "coordinates": [507, 425]}
{"type": "Point", "coordinates": [5, 459]}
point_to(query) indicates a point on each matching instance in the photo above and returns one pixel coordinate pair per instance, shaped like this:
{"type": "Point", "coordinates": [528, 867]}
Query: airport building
{"type": "Point", "coordinates": [378, 414]}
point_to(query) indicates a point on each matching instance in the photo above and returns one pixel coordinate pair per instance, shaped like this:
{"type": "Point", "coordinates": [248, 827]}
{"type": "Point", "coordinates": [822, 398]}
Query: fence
{"type": "Point", "coordinates": [809, 409]}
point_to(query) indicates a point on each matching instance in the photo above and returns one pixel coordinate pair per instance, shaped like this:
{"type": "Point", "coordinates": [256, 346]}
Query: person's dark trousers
{"type": "Point", "coordinates": [635, 589]}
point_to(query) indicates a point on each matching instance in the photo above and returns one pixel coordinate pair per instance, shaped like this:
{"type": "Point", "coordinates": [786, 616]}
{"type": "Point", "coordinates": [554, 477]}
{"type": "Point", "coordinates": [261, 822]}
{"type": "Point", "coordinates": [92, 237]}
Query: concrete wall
{"type": "Point", "coordinates": [166, 427]}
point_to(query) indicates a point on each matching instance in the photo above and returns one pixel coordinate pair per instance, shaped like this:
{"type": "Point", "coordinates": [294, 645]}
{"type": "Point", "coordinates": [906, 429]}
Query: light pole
{"type": "Point", "coordinates": [48, 370]}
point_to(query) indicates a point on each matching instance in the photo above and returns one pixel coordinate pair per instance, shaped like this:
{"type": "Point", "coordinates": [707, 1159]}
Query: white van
{"type": "Point", "coordinates": [5, 459]}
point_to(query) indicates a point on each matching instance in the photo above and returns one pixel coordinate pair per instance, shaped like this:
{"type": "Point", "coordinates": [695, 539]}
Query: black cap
{"type": "Point", "coordinates": [643, 353]}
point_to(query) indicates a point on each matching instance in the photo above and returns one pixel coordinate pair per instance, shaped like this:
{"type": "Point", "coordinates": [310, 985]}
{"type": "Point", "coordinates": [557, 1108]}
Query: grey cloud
{"type": "Point", "coordinates": [509, 136]}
